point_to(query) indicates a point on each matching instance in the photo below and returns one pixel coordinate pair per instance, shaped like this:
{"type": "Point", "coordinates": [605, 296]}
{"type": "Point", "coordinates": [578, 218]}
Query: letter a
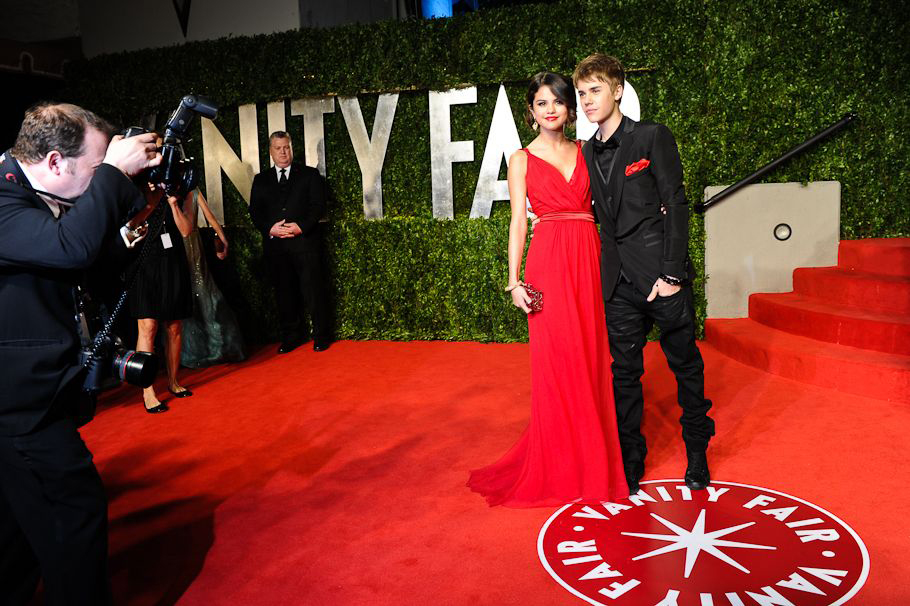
{"type": "Point", "coordinates": [501, 142]}
{"type": "Point", "coordinates": [829, 576]}
{"type": "Point", "coordinates": [799, 583]}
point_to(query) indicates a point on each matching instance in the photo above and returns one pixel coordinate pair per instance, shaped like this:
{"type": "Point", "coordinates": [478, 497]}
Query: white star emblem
{"type": "Point", "coordinates": [695, 541]}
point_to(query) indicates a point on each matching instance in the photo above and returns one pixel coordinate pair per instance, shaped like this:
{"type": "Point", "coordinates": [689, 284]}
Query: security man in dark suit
{"type": "Point", "coordinates": [286, 203]}
{"type": "Point", "coordinates": [53, 510]}
{"type": "Point", "coordinates": [636, 178]}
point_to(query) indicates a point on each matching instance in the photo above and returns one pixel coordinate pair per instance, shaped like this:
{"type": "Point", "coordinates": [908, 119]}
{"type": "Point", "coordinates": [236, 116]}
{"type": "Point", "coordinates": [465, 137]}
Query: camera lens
{"type": "Point", "coordinates": [135, 367]}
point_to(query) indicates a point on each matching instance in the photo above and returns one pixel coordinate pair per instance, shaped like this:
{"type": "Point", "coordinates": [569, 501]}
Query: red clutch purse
{"type": "Point", "coordinates": [536, 303]}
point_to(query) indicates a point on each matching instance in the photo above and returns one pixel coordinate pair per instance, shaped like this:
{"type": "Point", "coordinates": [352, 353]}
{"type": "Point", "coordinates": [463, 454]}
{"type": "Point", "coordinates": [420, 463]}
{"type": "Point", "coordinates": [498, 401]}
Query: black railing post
{"type": "Point", "coordinates": [847, 119]}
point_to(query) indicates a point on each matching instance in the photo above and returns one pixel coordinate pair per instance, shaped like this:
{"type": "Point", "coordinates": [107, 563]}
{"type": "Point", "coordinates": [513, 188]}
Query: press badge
{"type": "Point", "coordinates": [166, 241]}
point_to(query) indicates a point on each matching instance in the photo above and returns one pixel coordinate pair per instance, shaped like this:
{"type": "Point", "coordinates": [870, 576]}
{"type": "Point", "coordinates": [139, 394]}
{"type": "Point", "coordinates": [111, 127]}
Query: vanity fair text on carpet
{"type": "Point", "coordinates": [735, 545]}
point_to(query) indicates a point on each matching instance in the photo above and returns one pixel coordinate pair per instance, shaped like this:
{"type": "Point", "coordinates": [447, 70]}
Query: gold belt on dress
{"type": "Point", "coordinates": [569, 215]}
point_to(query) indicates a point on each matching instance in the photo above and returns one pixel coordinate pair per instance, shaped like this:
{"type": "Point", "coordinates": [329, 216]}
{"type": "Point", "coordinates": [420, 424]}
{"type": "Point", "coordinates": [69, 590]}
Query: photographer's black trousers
{"type": "Point", "coordinates": [53, 519]}
{"type": "Point", "coordinates": [629, 320]}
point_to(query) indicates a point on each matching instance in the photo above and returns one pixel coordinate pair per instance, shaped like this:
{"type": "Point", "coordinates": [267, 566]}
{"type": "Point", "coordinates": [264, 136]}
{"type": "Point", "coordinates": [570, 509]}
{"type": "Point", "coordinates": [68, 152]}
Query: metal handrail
{"type": "Point", "coordinates": [837, 126]}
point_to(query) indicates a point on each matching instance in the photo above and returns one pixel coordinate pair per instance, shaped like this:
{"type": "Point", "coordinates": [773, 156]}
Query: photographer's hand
{"type": "Point", "coordinates": [133, 154]}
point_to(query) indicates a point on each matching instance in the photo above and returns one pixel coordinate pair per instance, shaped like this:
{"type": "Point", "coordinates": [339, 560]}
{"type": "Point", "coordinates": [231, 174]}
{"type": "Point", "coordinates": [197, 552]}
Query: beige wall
{"type": "Point", "coordinates": [742, 256]}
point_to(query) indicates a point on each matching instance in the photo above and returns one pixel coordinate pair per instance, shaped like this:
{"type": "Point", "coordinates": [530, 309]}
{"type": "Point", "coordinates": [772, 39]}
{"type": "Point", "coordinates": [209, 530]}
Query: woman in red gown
{"type": "Point", "coordinates": [570, 450]}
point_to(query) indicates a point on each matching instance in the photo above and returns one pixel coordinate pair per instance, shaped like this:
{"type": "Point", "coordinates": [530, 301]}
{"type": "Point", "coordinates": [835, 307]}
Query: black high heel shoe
{"type": "Point", "coordinates": [162, 407]}
{"type": "Point", "coordinates": [180, 394]}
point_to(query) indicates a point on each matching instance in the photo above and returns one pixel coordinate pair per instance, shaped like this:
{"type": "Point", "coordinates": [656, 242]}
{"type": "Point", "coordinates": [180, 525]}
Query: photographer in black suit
{"type": "Point", "coordinates": [53, 510]}
{"type": "Point", "coordinates": [286, 203]}
{"type": "Point", "coordinates": [636, 178]}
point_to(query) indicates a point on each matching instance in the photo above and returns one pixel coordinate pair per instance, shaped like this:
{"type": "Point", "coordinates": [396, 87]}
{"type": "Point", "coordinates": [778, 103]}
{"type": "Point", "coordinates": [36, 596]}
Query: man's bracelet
{"type": "Point", "coordinates": [671, 280]}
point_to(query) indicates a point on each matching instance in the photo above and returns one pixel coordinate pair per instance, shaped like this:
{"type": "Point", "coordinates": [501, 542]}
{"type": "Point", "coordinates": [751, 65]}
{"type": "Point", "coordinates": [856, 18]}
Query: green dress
{"type": "Point", "coordinates": [212, 335]}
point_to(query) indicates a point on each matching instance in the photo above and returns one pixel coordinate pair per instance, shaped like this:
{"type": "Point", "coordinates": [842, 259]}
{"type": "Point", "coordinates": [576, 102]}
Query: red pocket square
{"type": "Point", "coordinates": [637, 166]}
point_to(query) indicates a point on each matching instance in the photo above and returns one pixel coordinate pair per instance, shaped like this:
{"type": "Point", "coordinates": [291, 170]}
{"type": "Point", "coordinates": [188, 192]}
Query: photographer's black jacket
{"type": "Point", "coordinates": [301, 201]}
{"type": "Point", "coordinates": [41, 259]}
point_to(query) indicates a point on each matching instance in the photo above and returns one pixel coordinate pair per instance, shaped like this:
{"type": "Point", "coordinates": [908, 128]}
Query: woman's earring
{"type": "Point", "coordinates": [535, 125]}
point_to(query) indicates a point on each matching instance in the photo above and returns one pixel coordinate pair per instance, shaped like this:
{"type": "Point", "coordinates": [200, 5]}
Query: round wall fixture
{"type": "Point", "coordinates": [782, 231]}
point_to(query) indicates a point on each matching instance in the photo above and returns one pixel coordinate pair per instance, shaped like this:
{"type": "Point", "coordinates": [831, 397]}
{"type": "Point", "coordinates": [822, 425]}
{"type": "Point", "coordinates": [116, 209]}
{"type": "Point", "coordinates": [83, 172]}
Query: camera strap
{"type": "Point", "coordinates": [11, 178]}
{"type": "Point", "coordinates": [155, 228]}
{"type": "Point", "coordinates": [68, 202]}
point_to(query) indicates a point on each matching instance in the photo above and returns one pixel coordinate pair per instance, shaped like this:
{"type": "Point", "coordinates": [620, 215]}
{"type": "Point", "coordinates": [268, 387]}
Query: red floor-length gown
{"type": "Point", "coordinates": [570, 450]}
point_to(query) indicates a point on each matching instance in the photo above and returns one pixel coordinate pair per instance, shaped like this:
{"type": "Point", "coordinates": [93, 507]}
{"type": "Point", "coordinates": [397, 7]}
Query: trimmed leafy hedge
{"type": "Point", "coordinates": [737, 83]}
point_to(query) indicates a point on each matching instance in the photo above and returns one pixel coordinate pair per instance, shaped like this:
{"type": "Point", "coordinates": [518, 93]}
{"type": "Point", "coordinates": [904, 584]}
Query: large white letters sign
{"type": "Point", "coordinates": [313, 109]}
{"type": "Point", "coordinates": [370, 153]}
{"type": "Point", "coordinates": [501, 143]}
{"type": "Point", "coordinates": [370, 149]}
{"type": "Point", "coordinates": [444, 151]}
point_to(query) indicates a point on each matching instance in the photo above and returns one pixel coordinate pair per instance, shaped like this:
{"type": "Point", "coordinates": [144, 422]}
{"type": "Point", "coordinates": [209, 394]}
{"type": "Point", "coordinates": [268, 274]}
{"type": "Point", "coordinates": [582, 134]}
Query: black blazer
{"type": "Point", "coordinates": [41, 260]}
{"type": "Point", "coordinates": [635, 234]}
{"type": "Point", "coordinates": [303, 201]}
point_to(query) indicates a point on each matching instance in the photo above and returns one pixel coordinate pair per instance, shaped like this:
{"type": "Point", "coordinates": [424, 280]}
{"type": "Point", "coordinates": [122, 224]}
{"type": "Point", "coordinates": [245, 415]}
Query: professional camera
{"type": "Point", "coordinates": [104, 356]}
{"type": "Point", "coordinates": [114, 360]}
{"type": "Point", "coordinates": [176, 172]}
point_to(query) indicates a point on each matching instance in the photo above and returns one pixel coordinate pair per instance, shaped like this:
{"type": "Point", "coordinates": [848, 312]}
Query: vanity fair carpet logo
{"type": "Point", "coordinates": [729, 545]}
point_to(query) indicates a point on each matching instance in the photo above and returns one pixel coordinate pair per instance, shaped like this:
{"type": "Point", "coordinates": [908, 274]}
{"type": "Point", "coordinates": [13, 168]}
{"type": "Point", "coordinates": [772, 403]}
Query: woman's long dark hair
{"type": "Point", "coordinates": [561, 86]}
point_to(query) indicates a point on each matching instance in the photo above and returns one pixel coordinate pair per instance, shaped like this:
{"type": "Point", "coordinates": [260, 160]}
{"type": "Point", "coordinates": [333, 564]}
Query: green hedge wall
{"type": "Point", "coordinates": [738, 83]}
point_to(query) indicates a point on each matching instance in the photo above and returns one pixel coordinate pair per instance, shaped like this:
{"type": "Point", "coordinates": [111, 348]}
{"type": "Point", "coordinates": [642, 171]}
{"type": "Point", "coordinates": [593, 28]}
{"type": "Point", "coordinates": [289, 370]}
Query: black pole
{"type": "Point", "coordinates": [847, 119]}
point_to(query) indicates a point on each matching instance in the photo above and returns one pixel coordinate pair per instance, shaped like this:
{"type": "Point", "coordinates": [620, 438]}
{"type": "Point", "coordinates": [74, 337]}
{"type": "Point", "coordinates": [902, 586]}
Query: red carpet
{"type": "Point", "coordinates": [846, 327]}
{"type": "Point", "coordinates": [338, 478]}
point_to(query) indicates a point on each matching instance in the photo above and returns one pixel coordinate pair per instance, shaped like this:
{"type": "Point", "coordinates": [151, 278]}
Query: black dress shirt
{"type": "Point", "coordinates": [605, 151]}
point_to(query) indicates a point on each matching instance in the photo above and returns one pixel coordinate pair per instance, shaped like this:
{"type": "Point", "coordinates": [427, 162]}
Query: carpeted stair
{"type": "Point", "coordinates": [845, 327]}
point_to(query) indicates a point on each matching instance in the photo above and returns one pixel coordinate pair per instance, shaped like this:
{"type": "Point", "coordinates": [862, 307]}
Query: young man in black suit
{"type": "Point", "coordinates": [286, 203]}
{"type": "Point", "coordinates": [53, 510]}
{"type": "Point", "coordinates": [636, 179]}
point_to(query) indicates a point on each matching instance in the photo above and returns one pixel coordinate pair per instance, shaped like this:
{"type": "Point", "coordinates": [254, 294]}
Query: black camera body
{"type": "Point", "coordinates": [105, 360]}
{"type": "Point", "coordinates": [104, 357]}
{"type": "Point", "coordinates": [176, 173]}
{"type": "Point", "coordinates": [113, 360]}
